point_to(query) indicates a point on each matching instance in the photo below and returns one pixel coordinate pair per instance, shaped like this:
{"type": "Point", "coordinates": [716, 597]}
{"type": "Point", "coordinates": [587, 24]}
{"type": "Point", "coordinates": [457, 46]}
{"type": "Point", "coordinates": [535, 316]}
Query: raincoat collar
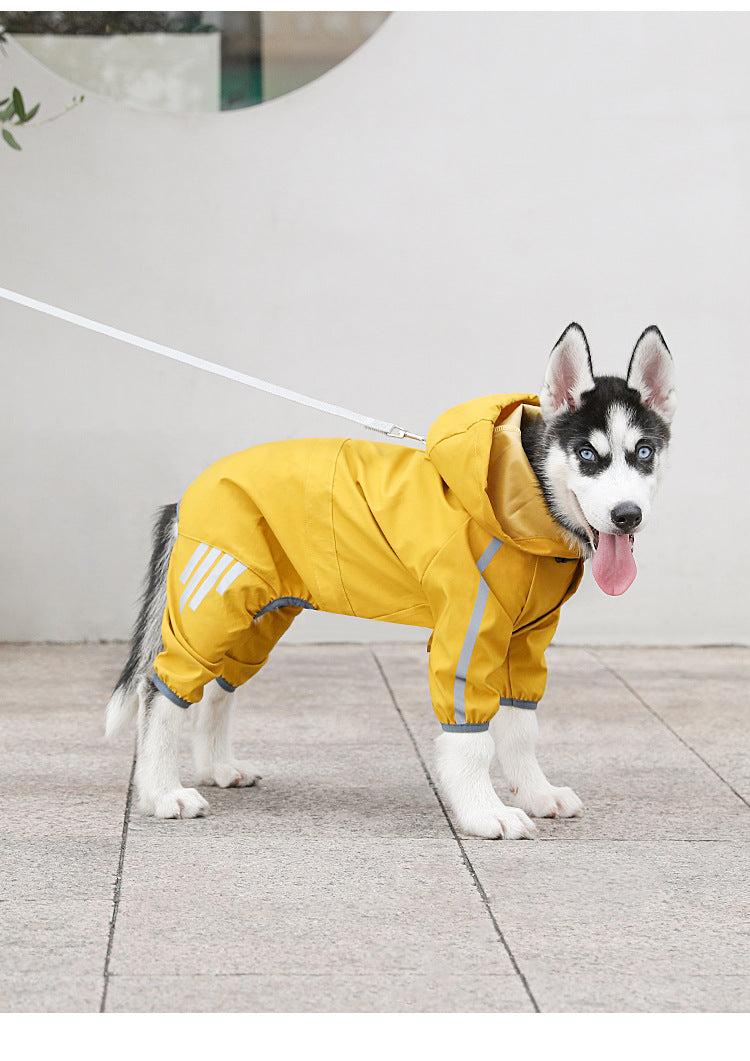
{"type": "Point", "coordinates": [476, 447]}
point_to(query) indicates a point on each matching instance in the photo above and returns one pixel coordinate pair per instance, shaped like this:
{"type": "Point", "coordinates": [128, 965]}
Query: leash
{"type": "Point", "coordinates": [381, 426]}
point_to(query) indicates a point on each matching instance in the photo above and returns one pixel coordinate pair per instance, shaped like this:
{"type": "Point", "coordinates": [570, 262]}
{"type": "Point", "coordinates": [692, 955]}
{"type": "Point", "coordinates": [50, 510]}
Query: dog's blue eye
{"type": "Point", "coordinates": [644, 452]}
{"type": "Point", "coordinates": [586, 454]}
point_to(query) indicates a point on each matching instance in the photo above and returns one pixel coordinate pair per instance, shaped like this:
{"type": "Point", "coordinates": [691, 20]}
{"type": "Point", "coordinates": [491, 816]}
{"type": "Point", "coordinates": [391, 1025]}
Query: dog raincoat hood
{"type": "Point", "coordinates": [456, 539]}
{"type": "Point", "coordinates": [476, 448]}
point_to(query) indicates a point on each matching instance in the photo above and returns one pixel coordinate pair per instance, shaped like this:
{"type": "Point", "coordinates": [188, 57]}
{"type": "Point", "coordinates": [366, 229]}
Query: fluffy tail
{"type": "Point", "coordinates": [146, 643]}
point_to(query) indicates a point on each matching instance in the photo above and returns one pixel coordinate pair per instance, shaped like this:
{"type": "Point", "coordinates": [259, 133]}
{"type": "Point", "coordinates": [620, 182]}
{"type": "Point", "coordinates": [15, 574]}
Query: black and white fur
{"type": "Point", "coordinates": [612, 418]}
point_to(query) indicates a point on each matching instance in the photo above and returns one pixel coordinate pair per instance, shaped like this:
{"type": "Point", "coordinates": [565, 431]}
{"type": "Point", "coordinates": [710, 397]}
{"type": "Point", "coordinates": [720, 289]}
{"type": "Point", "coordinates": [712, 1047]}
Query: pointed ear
{"type": "Point", "coordinates": [568, 375]}
{"type": "Point", "coordinates": [651, 372]}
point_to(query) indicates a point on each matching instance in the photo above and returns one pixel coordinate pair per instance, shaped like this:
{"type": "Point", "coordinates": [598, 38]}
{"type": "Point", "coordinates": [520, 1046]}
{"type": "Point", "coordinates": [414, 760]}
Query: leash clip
{"type": "Point", "coordinates": [400, 432]}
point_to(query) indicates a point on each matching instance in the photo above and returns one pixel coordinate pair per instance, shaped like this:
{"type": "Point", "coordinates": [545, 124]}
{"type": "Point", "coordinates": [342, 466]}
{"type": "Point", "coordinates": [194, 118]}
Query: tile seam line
{"type": "Point", "coordinates": [466, 860]}
{"type": "Point", "coordinates": [594, 654]}
{"type": "Point", "coordinates": [117, 887]}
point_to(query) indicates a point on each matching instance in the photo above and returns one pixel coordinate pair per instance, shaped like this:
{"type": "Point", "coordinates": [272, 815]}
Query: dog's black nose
{"type": "Point", "coordinates": [626, 516]}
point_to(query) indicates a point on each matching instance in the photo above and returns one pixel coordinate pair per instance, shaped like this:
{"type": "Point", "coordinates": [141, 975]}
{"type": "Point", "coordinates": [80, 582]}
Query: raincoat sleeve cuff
{"type": "Point", "coordinates": [466, 727]}
{"type": "Point", "coordinates": [169, 693]}
{"type": "Point", "coordinates": [529, 705]}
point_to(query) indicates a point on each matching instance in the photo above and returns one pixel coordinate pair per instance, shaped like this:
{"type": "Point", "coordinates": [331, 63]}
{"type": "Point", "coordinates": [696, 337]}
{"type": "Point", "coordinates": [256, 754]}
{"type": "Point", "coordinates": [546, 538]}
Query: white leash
{"type": "Point", "coordinates": [381, 426]}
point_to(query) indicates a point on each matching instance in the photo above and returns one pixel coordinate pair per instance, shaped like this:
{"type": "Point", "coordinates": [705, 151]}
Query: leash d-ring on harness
{"type": "Point", "coordinates": [381, 426]}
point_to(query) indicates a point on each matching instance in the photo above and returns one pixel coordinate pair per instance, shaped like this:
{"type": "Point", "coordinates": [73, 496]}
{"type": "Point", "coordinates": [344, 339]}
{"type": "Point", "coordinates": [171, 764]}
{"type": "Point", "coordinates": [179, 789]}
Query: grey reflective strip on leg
{"type": "Point", "coordinates": [166, 691]}
{"type": "Point", "coordinates": [489, 553]}
{"type": "Point", "coordinates": [283, 602]}
{"type": "Point", "coordinates": [472, 633]}
{"type": "Point", "coordinates": [529, 705]}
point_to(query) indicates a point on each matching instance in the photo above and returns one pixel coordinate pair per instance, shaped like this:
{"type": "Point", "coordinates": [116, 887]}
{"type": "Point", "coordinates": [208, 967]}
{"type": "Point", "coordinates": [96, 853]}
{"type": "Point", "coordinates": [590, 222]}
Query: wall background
{"type": "Point", "coordinates": [413, 229]}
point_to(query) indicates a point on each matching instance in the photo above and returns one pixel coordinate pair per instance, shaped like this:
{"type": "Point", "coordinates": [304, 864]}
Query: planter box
{"type": "Point", "coordinates": [163, 71]}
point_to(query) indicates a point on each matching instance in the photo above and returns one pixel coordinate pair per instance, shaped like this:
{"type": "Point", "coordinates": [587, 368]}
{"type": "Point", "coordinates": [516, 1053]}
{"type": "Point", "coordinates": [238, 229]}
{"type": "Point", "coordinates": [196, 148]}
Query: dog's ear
{"type": "Point", "coordinates": [651, 372]}
{"type": "Point", "coordinates": [568, 375]}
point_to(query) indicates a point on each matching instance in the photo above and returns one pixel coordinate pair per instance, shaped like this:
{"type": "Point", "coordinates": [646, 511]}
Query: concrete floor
{"type": "Point", "coordinates": [340, 884]}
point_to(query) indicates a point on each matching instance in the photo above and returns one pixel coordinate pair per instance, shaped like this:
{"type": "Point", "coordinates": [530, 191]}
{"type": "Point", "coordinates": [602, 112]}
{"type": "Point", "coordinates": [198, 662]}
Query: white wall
{"type": "Point", "coordinates": [413, 229]}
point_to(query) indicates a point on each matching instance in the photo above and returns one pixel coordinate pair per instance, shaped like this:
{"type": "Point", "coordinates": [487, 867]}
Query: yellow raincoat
{"type": "Point", "coordinates": [456, 539]}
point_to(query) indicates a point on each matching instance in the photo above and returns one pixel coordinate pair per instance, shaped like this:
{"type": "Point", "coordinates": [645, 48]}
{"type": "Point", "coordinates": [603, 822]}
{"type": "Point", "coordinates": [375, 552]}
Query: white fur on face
{"type": "Point", "coordinates": [594, 496]}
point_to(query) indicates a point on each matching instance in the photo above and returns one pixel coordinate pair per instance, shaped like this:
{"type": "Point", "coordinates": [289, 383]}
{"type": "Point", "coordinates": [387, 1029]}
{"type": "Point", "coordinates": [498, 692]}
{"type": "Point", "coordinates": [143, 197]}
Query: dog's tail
{"type": "Point", "coordinates": [146, 642]}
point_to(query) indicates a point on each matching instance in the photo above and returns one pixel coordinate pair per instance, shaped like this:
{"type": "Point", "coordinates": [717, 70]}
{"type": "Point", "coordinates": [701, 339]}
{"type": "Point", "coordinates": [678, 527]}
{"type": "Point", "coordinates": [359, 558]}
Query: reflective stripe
{"type": "Point", "coordinates": [468, 727]}
{"type": "Point", "coordinates": [283, 602]}
{"type": "Point", "coordinates": [199, 553]}
{"type": "Point", "coordinates": [209, 582]}
{"type": "Point", "coordinates": [166, 691]}
{"type": "Point", "coordinates": [202, 571]}
{"type": "Point", "coordinates": [472, 633]}
{"type": "Point", "coordinates": [234, 572]}
{"type": "Point", "coordinates": [529, 705]}
{"type": "Point", "coordinates": [489, 553]}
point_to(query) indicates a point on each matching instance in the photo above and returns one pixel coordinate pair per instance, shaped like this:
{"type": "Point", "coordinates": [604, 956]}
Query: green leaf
{"type": "Point", "coordinates": [8, 113]}
{"type": "Point", "coordinates": [18, 101]}
{"type": "Point", "coordinates": [9, 139]}
{"type": "Point", "coordinates": [30, 114]}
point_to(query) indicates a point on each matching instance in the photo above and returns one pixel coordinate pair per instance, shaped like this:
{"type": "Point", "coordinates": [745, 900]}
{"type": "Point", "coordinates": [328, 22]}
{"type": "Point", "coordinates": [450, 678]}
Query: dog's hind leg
{"type": "Point", "coordinates": [515, 731]}
{"type": "Point", "coordinates": [157, 774]}
{"type": "Point", "coordinates": [463, 769]}
{"type": "Point", "coordinates": [212, 742]}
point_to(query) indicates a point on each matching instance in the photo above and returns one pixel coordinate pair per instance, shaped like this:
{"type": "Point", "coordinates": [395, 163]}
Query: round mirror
{"type": "Point", "coordinates": [186, 61]}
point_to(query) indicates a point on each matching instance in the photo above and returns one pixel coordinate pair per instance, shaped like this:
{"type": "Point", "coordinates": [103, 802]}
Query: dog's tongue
{"type": "Point", "coordinates": [613, 565]}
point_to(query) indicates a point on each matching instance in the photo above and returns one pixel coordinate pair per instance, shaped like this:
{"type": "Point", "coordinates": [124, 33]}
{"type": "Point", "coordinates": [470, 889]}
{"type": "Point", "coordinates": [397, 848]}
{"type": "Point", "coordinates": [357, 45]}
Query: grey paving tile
{"type": "Point", "coordinates": [328, 805]}
{"type": "Point", "coordinates": [643, 989]}
{"type": "Point", "coordinates": [48, 788]}
{"type": "Point", "coordinates": [329, 691]}
{"type": "Point", "coordinates": [64, 938]}
{"type": "Point", "coordinates": [56, 677]}
{"type": "Point", "coordinates": [52, 864]}
{"type": "Point", "coordinates": [328, 993]}
{"type": "Point", "coordinates": [77, 991]}
{"type": "Point", "coordinates": [323, 787]}
{"type": "Point", "coordinates": [278, 906]}
{"type": "Point", "coordinates": [702, 695]}
{"type": "Point", "coordinates": [588, 922]}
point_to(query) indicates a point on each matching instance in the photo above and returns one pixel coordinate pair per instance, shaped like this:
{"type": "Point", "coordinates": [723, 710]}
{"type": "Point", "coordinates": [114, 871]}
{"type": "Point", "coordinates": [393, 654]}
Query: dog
{"type": "Point", "coordinates": [481, 538]}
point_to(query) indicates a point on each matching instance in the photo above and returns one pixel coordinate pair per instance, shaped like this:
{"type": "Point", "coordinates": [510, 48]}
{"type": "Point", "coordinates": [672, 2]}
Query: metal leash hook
{"type": "Point", "coordinates": [400, 432]}
{"type": "Point", "coordinates": [369, 422]}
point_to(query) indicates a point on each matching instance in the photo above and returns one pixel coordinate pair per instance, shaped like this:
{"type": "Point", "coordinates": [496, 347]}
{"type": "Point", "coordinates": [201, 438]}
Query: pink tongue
{"type": "Point", "coordinates": [613, 564]}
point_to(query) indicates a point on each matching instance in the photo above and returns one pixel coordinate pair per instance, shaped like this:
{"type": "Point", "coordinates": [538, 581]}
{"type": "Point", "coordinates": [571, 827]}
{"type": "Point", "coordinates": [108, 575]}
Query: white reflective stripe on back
{"type": "Point", "coordinates": [203, 570]}
{"type": "Point", "coordinates": [199, 553]}
{"type": "Point", "coordinates": [210, 581]}
{"type": "Point", "coordinates": [234, 572]}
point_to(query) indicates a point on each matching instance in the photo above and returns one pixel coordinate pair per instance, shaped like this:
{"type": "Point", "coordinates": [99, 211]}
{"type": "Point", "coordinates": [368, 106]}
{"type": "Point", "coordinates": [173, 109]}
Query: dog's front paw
{"type": "Point", "coordinates": [549, 802]}
{"type": "Point", "coordinates": [180, 803]}
{"type": "Point", "coordinates": [235, 774]}
{"type": "Point", "coordinates": [498, 823]}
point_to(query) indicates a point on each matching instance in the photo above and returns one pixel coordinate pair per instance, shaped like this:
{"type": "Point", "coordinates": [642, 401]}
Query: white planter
{"type": "Point", "coordinates": [166, 71]}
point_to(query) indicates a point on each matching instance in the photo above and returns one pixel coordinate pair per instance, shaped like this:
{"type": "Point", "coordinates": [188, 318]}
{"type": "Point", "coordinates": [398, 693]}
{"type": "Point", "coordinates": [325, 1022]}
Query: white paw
{"type": "Point", "coordinates": [498, 822]}
{"type": "Point", "coordinates": [180, 803]}
{"type": "Point", "coordinates": [235, 774]}
{"type": "Point", "coordinates": [549, 802]}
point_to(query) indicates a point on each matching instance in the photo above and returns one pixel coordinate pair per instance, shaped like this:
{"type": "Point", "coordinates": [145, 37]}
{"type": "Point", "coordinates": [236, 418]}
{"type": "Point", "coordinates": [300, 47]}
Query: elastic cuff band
{"type": "Point", "coordinates": [467, 727]}
{"type": "Point", "coordinates": [224, 684]}
{"type": "Point", "coordinates": [166, 691]}
{"type": "Point", "coordinates": [529, 705]}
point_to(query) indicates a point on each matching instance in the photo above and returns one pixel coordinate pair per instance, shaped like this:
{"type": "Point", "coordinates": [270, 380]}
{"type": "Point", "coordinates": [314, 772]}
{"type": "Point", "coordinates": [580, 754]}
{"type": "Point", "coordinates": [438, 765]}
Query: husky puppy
{"type": "Point", "coordinates": [564, 478]}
